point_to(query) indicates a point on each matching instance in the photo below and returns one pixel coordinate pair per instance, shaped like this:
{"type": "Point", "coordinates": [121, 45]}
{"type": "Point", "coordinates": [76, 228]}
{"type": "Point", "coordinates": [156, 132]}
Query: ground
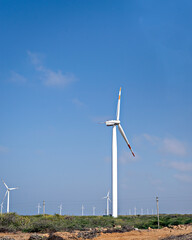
{"type": "Point", "coordinates": [152, 234]}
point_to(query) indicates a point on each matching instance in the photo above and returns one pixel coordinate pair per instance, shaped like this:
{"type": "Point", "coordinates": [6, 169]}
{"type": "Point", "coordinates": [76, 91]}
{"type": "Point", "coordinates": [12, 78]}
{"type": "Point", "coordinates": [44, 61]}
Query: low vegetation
{"type": "Point", "coordinates": [53, 223]}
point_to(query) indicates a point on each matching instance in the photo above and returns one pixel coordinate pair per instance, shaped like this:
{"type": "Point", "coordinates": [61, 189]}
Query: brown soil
{"type": "Point", "coordinates": [150, 234]}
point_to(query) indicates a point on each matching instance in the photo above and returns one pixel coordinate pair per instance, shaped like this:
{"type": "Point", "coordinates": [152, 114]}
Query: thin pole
{"type": "Point", "coordinates": [157, 200]}
{"type": "Point", "coordinates": [129, 211]}
{"type": "Point", "coordinates": [147, 211]}
{"type": "Point", "coordinates": [1, 208]}
{"type": "Point", "coordinates": [135, 211]}
{"type": "Point", "coordinates": [94, 211]}
{"type": "Point", "coordinates": [43, 207]}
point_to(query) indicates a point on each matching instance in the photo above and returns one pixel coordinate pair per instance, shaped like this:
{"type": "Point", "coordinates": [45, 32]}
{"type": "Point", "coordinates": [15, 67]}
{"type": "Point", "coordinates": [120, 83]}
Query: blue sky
{"type": "Point", "coordinates": [61, 66]}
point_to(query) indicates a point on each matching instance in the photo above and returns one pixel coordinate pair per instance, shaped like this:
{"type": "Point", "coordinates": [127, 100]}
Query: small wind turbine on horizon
{"type": "Point", "coordinates": [108, 199]}
{"type": "Point", "coordinates": [38, 208]}
{"type": "Point", "coordinates": [115, 123]}
{"type": "Point", "coordinates": [7, 193]}
{"type": "Point", "coordinates": [60, 209]}
{"type": "Point", "coordinates": [82, 210]}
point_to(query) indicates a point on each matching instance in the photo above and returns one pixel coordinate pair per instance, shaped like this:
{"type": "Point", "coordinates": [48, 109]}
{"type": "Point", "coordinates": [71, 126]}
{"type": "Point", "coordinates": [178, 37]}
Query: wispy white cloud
{"type": "Point", "coordinates": [78, 103]}
{"type": "Point", "coordinates": [152, 139]}
{"type": "Point", "coordinates": [49, 77]}
{"type": "Point", "coordinates": [3, 149]}
{"type": "Point", "coordinates": [17, 78]}
{"type": "Point", "coordinates": [181, 166]}
{"type": "Point", "coordinates": [100, 119]}
{"type": "Point", "coordinates": [36, 58]}
{"type": "Point", "coordinates": [183, 178]}
{"type": "Point", "coordinates": [126, 157]}
{"type": "Point", "coordinates": [173, 146]}
{"type": "Point", "coordinates": [52, 78]}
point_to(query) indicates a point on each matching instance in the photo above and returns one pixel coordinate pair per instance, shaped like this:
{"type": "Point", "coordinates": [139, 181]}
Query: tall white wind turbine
{"type": "Point", "coordinates": [114, 124]}
{"type": "Point", "coordinates": [7, 193]}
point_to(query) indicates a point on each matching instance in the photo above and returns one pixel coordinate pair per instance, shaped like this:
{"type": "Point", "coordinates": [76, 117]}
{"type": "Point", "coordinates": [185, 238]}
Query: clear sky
{"type": "Point", "coordinates": [61, 66]}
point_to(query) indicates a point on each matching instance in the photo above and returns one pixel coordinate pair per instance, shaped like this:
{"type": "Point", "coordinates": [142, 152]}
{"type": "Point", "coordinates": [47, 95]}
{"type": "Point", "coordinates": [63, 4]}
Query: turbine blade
{"type": "Point", "coordinates": [4, 184]}
{"type": "Point", "coordinates": [118, 104]}
{"type": "Point", "coordinates": [13, 188]}
{"type": "Point", "coordinates": [126, 140]}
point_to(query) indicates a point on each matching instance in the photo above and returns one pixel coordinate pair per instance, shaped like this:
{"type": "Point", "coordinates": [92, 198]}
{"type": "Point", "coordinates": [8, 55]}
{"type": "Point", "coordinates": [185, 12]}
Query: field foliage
{"type": "Point", "coordinates": [53, 223]}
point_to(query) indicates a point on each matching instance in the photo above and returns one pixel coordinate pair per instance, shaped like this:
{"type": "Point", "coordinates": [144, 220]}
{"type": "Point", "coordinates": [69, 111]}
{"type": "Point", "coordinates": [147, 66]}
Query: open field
{"type": "Point", "coordinates": [97, 227]}
{"type": "Point", "coordinates": [181, 232]}
{"type": "Point", "coordinates": [54, 223]}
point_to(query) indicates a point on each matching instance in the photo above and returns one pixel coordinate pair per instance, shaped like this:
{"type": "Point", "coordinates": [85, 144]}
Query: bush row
{"type": "Point", "coordinates": [52, 223]}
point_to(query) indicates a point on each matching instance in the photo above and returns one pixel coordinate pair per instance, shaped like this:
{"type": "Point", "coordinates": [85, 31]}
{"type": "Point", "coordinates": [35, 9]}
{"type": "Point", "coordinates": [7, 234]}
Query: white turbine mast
{"type": "Point", "coordinates": [82, 210]}
{"type": "Point", "coordinates": [60, 209]}
{"type": "Point", "coordinates": [108, 199]}
{"type": "Point", "coordinates": [8, 193]}
{"type": "Point", "coordinates": [38, 208]}
{"type": "Point", "coordinates": [114, 124]}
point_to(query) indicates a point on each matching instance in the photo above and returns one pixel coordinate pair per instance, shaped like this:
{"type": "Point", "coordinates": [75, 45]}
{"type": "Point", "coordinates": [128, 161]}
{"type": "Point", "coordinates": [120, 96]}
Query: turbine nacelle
{"type": "Point", "coordinates": [112, 122]}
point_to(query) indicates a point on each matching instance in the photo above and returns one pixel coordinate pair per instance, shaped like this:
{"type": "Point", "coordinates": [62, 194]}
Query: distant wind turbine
{"type": "Point", "coordinates": [38, 208]}
{"type": "Point", "coordinates": [82, 210]}
{"type": "Point", "coordinates": [129, 211]}
{"type": "Point", "coordinates": [141, 211]}
{"type": "Point", "coordinates": [108, 199]}
{"type": "Point", "coordinates": [7, 193]}
{"type": "Point", "coordinates": [60, 209]}
{"type": "Point", "coordinates": [115, 123]}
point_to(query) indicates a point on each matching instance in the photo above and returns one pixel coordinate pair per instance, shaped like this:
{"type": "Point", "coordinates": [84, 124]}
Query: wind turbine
{"type": "Point", "coordinates": [114, 124]}
{"type": "Point", "coordinates": [60, 209]}
{"type": "Point", "coordinates": [82, 210]}
{"type": "Point", "coordinates": [108, 199]}
{"type": "Point", "coordinates": [7, 193]}
{"type": "Point", "coordinates": [38, 207]}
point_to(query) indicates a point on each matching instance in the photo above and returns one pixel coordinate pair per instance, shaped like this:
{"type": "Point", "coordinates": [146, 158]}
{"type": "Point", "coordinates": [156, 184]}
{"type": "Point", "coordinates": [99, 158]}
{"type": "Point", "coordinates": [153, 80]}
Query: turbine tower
{"type": "Point", "coordinates": [82, 210]}
{"type": "Point", "coordinates": [114, 124]}
{"type": "Point", "coordinates": [108, 199]}
{"type": "Point", "coordinates": [60, 209]}
{"type": "Point", "coordinates": [1, 208]}
{"type": "Point", "coordinates": [38, 208]}
{"type": "Point", "coordinates": [7, 193]}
